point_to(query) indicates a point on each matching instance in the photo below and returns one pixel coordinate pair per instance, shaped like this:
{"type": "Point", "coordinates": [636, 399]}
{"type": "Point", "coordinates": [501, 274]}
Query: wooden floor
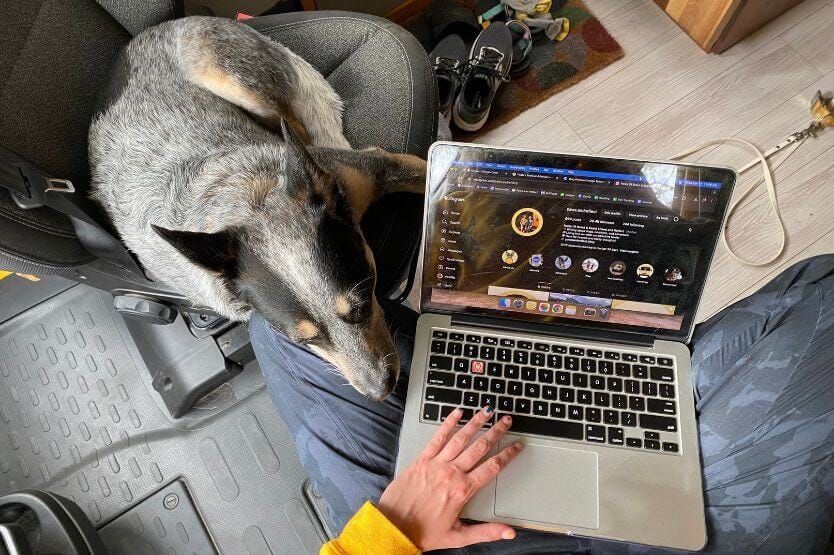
{"type": "Point", "coordinates": [666, 94]}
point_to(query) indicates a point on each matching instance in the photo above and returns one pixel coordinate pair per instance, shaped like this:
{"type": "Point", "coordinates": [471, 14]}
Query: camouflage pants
{"type": "Point", "coordinates": [763, 376]}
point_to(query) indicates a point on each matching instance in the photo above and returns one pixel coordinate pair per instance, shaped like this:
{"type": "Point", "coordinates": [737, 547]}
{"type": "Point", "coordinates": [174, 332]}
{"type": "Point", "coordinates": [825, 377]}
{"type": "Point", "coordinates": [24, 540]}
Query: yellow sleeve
{"type": "Point", "coordinates": [369, 533]}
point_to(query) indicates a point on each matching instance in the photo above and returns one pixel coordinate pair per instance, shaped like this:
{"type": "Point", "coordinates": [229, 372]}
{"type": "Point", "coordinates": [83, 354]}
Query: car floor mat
{"type": "Point", "coordinates": [79, 417]}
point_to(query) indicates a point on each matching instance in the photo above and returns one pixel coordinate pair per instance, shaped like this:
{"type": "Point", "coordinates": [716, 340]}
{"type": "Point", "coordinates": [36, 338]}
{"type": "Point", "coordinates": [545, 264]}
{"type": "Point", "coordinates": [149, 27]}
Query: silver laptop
{"type": "Point", "coordinates": [562, 290]}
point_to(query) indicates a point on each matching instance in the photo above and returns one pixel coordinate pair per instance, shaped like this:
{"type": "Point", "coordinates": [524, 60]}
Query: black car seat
{"type": "Point", "coordinates": [55, 55]}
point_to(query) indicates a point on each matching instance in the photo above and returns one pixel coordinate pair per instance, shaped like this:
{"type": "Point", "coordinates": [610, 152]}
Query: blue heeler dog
{"type": "Point", "coordinates": [219, 156]}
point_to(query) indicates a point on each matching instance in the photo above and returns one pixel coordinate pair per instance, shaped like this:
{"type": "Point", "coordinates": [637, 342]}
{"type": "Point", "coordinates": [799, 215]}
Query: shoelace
{"type": "Point", "coordinates": [488, 61]}
{"type": "Point", "coordinates": [448, 66]}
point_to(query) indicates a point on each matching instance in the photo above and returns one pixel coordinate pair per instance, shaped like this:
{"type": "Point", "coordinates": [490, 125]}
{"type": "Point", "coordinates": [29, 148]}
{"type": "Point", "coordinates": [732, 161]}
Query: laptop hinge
{"type": "Point", "coordinates": [572, 332]}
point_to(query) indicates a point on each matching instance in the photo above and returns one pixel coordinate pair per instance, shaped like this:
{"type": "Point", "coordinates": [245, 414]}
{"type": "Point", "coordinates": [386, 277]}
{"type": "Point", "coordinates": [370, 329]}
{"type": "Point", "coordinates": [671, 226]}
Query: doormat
{"type": "Point", "coordinates": [555, 66]}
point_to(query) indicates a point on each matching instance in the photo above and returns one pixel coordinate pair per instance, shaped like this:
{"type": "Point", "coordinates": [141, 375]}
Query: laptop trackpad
{"type": "Point", "coordinates": [550, 484]}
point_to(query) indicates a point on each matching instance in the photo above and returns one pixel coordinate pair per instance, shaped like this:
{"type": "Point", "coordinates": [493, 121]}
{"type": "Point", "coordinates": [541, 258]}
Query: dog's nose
{"type": "Point", "coordinates": [379, 392]}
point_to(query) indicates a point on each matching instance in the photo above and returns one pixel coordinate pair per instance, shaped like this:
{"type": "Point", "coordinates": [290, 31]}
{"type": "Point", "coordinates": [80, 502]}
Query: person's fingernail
{"type": "Point", "coordinates": [488, 409]}
{"type": "Point", "coordinates": [507, 419]}
{"type": "Point", "coordinates": [457, 412]}
{"type": "Point", "coordinates": [518, 446]}
{"type": "Point", "coordinates": [508, 534]}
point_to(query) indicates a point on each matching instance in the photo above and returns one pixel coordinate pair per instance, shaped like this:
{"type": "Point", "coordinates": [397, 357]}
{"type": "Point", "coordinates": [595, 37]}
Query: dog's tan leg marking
{"type": "Point", "coordinates": [359, 188]}
{"type": "Point", "coordinates": [306, 329]}
{"type": "Point", "coordinates": [206, 74]}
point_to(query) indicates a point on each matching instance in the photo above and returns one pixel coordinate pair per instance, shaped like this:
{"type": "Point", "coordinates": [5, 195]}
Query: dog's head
{"type": "Point", "coordinates": [302, 262]}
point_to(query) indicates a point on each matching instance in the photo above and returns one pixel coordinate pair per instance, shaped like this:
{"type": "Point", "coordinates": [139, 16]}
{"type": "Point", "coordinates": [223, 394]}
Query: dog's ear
{"type": "Point", "coordinates": [303, 172]}
{"type": "Point", "coordinates": [216, 252]}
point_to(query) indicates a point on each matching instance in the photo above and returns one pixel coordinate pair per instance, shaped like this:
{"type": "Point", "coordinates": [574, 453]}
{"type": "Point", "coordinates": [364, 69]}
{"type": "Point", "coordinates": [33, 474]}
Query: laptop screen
{"type": "Point", "coordinates": [556, 238]}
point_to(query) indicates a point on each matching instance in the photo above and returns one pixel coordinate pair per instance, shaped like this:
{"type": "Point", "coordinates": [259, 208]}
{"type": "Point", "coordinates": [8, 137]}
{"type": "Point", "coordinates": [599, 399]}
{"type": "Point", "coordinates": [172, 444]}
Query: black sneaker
{"type": "Point", "coordinates": [448, 59]}
{"type": "Point", "coordinates": [489, 65]}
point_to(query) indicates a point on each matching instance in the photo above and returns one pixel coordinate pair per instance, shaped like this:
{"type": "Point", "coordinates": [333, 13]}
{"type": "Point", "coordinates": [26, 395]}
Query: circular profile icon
{"type": "Point", "coordinates": [617, 268]}
{"type": "Point", "coordinates": [645, 271]}
{"type": "Point", "coordinates": [563, 262]}
{"type": "Point", "coordinates": [590, 265]}
{"type": "Point", "coordinates": [672, 274]}
{"type": "Point", "coordinates": [527, 222]}
{"type": "Point", "coordinates": [536, 260]}
{"type": "Point", "coordinates": [509, 256]}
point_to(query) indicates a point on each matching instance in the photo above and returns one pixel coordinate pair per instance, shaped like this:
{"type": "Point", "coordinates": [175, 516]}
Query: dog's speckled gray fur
{"type": "Point", "coordinates": [189, 139]}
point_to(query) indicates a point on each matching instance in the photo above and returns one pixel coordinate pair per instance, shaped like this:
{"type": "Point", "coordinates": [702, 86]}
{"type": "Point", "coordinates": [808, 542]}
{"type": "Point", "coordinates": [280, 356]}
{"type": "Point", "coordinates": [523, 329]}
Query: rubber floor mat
{"type": "Point", "coordinates": [78, 417]}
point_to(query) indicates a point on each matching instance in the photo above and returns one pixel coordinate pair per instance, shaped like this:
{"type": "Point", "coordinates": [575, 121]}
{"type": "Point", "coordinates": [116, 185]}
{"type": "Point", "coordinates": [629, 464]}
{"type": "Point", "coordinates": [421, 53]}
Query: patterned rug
{"type": "Point", "coordinates": [555, 66]}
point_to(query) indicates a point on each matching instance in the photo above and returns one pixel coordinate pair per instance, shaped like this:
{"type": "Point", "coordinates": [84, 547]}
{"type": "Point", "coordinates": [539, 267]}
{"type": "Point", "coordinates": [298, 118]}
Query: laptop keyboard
{"type": "Point", "coordinates": [598, 396]}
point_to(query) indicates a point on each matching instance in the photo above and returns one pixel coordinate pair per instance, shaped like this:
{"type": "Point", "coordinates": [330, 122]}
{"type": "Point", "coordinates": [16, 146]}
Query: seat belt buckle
{"type": "Point", "coordinates": [32, 187]}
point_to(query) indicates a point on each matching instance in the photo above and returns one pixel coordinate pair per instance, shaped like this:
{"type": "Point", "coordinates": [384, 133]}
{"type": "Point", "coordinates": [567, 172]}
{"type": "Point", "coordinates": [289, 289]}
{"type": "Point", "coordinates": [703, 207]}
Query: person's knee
{"type": "Point", "coordinates": [812, 271]}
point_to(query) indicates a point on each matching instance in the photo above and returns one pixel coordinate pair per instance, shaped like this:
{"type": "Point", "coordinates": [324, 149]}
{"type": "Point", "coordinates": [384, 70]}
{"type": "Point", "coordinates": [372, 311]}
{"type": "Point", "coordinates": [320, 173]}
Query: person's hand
{"type": "Point", "coordinates": [425, 500]}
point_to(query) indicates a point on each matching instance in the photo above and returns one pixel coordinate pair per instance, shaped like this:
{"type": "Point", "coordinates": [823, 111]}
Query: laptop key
{"type": "Point", "coordinates": [650, 389]}
{"type": "Point", "coordinates": [593, 414]}
{"type": "Point", "coordinates": [466, 415]}
{"type": "Point", "coordinates": [646, 359]}
{"type": "Point", "coordinates": [623, 369]}
{"type": "Point", "coordinates": [511, 371]}
{"type": "Point", "coordinates": [615, 436]}
{"type": "Point", "coordinates": [498, 386]}
{"type": "Point", "coordinates": [461, 365]}
{"type": "Point", "coordinates": [651, 435]}
{"type": "Point", "coordinates": [441, 395]}
{"type": "Point", "coordinates": [640, 371]}
{"type": "Point", "coordinates": [431, 411]}
{"type": "Point", "coordinates": [470, 351]}
{"type": "Point", "coordinates": [490, 340]}
{"type": "Point", "coordinates": [659, 374]}
{"type": "Point", "coordinates": [507, 342]}
{"type": "Point", "coordinates": [477, 367]}
{"type": "Point", "coordinates": [632, 386]}
{"type": "Point", "coordinates": [455, 336]}
{"type": "Point", "coordinates": [567, 395]}
{"type": "Point", "coordinates": [445, 379]}
{"type": "Point", "coordinates": [588, 365]}
{"type": "Point", "coordinates": [522, 406]}
{"type": "Point", "coordinates": [662, 423]}
{"type": "Point", "coordinates": [440, 363]}
{"type": "Point", "coordinates": [614, 384]}
{"type": "Point", "coordinates": [601, 399]}
{"type": "Point", "coordinates": [575, 412]}
{"type": "Point", "coordinates": [445, 411]}
{"type": "Point", "coordinates": [532, 390]}
{"type": "Point", "coordinates": [526, 345]}
{"type": "Point", "coordinates": [546, 427]}
{"type": "Point", "coordinates": [578, 351]}
{"type": "Point", "coordinates": [637, 404]}
{"type": "Point", "coordinates": [594, 353]}
{"type": "Point", "coordinates": [664, 361]}
{"type": "Point", "coordinates": [618, 401]}
{"type": "Point", "coordinates": [494, 369]}
{"type": "Point", "coordinates": [528, 373]}
{"type": "Point", "coordinates": [480, 383]}
{"type": "Point", "coordinates": [554, 361]}
{"type": "Point", "coordinates": [595, 434]}
{"type": "Point", "coordinates": [597, 382]}
{"type": "Point", "coordinates": [438, 346]}
{"type": "Point", "coordinates": [667, 391]}
{"type": "Point", "coordinates": [670, 447]}
{"type": "Point", "coordinates": [539, 408]}
{"type": "Point", "coordinates": [660, 406]}
{"type": "Point", "coordinates": [628, 419]}
{"type": "Point", "coordinates": [543, 347]}
{"type": "Point", "coordinates": [514, 388]}
{"type": "Point", "coordinates": [464, 381]}
{"type": "Point", "coordinates": [562, 378]}
{"type": "Point", "coordinates": [583, 396]}
{"type": "Point", "coordinates": [610, 355]}
{"type": "Point", "coordinates": [487, 400]}
{"type": "Point", "coordinates": [488, 353]}
{"type": "Point", "coordinates": [521, 357]}
{"type": "Point", "coordinates": [504, 355]}
{"type": "Point", "coordinates": [561, 349]}
{"type": "Point", "coordinates": [549, 392]}
{"type": "Point", "coordinates": [629, 357]}
{"type": "Point", "coordinates": [471, 338]}
{"type": "Point", "coordinates": [611, 417]}
{"type": "Point", "coordinates": [454, 349]}
{"type": "Point", "coordinates": [439, 334]}
{"type": "Point", "coordinates": [651, 444]}
{"type": "Point", "coordinates": [505, 404]}
{"type": "Point", "coordinates": [471, 399]}
{"type": "Point", "coordinates": [557, 410]}
{"type": "Point", "coordinates": [537, 359]}
{"type": "Point", "coordinates": [545, 376]}
{"type": "Point", "coordinates": [634, 442]}
{"type": "Point", "coordinates": [571, 363]}
{"type": "Point", "coordinates": [580, 380]}
{"type": "Point", "coordinates": [606, 367]}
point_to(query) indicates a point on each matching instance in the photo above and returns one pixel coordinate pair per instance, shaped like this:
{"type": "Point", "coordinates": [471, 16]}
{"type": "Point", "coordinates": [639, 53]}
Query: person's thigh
{"type": "Point", "coordinates": [346, 442]}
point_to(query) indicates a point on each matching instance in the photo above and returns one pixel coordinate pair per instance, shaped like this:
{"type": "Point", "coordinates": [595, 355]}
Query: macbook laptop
{"type": "Point", "coordinates": [562, 290]}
